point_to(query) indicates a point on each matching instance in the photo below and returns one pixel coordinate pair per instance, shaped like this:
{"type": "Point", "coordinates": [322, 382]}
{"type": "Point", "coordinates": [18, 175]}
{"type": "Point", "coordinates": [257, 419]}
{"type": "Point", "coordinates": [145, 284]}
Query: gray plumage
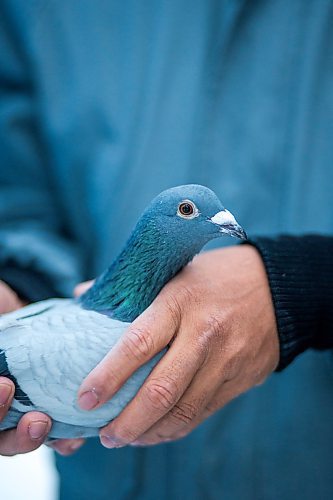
{"type": "Point", "coordinates": [51, 346]}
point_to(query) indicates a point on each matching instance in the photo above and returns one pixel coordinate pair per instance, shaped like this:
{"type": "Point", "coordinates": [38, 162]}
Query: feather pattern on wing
{"type": "Point", "coordinates": [50, 347]}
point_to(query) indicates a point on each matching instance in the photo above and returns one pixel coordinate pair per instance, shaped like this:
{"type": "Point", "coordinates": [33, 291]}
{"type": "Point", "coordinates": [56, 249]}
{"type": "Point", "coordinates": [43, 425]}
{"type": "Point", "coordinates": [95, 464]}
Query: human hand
{"type": "Point", "coordinates": [217, 317]}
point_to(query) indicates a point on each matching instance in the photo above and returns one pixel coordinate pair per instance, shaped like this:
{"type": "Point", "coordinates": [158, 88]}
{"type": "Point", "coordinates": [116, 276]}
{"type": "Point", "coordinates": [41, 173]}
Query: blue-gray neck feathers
{"type": "Point", "coordinates": [151, 257]}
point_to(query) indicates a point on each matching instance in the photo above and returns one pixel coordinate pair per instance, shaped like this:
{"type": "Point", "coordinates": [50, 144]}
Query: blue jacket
{"type": "Point", "coordinates": [102, 105]}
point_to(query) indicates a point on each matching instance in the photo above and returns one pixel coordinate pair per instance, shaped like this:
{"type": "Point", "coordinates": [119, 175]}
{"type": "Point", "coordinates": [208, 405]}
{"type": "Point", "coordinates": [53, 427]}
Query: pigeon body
{"type": "Point", "coordinates": [49, 347]}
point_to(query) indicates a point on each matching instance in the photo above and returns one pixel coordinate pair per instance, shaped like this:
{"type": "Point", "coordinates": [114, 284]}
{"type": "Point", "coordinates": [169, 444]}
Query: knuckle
{"type": "Point", "coordinates": [231, 367]}
{"type": "Point", "coordinates": [124, 434]}
{"type": "Point", "coordinates": [188, 296]}
{"type": "Point", "coordinates": [228, 369]}
{"type": "Point", "coordinates": [174, 309]}
{"type": "Point", "coordinates": [215, 326]}
{"type": "Point", "coordinates": [138, 343]}
{"type": "Point", "coordinates": [184, 412]}
{"type": "Point", "coordinates": [162, 393]}
{"type": "Point", "coordinates": [211, 332]}
{"type": "Point", "coordinates": [213, 406]}
{"type": "Point", "coordinates": [178, 300]}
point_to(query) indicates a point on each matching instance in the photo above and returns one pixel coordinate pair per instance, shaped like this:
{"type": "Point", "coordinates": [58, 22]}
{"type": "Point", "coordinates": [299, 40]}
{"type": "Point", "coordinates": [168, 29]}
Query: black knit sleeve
{"type": "Point", "coordinates": [300, 274]}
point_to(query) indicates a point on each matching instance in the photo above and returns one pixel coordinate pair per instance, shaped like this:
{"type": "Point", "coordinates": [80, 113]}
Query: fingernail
{"type": "Point", "coordinates": [88, 400]}
{"type": "Point", "coordinates": [37, 429]}
{"type": "Point", "coordinates": [5, 392]}
{"type": "Point", "coordinates": [111, 442]}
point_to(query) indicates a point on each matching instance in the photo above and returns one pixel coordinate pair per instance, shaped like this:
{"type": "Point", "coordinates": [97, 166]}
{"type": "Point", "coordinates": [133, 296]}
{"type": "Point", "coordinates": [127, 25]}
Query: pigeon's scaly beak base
{"type": "Point", "coordinates": [228, 225]}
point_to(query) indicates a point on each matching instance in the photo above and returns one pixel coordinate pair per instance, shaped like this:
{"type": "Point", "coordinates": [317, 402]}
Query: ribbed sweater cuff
{"type": "Point", "coordinates": [28, 285]}
{"type": "Point", "coordinates": [300, 274]}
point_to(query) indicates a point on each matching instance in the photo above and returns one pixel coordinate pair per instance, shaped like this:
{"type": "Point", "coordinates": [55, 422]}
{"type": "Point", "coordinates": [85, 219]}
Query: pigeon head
{"type": "Point", "coordinates": [171, 231]}
{"type": "Point", "coordinates": [191, 215]}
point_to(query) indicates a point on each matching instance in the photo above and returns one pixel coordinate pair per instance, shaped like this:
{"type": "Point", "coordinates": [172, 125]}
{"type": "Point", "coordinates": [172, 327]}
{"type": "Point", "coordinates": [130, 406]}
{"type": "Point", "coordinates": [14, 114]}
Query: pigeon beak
{"type": "Point", "coordinates": [228, 225]}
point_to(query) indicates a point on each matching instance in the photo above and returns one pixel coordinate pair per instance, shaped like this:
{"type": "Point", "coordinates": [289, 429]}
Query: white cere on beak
{"type": "Point", "coordinates": [224, 217]}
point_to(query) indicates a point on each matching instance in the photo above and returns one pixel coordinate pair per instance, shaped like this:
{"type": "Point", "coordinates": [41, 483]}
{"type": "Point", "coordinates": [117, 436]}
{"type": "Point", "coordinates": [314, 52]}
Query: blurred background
{"type": "Point", "coordinates": [34, 472]}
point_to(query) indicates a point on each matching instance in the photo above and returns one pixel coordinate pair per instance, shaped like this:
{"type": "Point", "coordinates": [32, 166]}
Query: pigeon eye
{"type": "Point", "coordinates": [187, 209]}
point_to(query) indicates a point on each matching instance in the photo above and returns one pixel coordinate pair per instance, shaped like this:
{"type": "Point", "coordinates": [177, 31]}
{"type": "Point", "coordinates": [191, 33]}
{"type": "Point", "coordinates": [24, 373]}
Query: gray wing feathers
{"type": "Point", "coordinates": [51, 353]}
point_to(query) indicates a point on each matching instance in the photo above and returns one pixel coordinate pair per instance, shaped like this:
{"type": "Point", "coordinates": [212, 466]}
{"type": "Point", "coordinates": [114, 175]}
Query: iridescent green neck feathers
{"type": "Point", "coordinates": [148, 261]}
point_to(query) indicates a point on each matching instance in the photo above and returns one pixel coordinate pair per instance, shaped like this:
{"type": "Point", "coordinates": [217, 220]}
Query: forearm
{"type": "Point", "coordinates": [300, 273]}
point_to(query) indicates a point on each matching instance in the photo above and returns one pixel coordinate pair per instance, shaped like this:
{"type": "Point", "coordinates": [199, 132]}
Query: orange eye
{"type": "Point", "coordinates": [186, 209]}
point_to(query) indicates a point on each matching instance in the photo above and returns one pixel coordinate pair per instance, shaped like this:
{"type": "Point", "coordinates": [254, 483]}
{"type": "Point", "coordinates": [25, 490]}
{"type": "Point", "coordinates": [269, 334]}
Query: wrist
{"type": "Point", "coordinates": [301, 280]}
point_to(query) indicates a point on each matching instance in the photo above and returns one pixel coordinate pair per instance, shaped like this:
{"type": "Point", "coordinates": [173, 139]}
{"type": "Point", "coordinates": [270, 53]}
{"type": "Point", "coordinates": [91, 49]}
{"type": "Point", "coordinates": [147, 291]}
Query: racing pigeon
{"type": "Point", "coordinates": [49, 347]}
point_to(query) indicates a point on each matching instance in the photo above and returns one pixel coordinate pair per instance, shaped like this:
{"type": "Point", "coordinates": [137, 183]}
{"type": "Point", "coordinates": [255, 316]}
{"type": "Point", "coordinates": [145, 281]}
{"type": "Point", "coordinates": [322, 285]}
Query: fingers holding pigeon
{"type": "Point", "coordinates": [146, 336]}
{"type": "Point", "coordinates": [30, 433]}
{"type": "Point", "coordinates": [179, 388]}
{"type": "Point", "coordinates": [191, 411]}
{"type": "Point", "coordinates": [224, 342]}
{"type": "Point", "coordinates": [158, 396]}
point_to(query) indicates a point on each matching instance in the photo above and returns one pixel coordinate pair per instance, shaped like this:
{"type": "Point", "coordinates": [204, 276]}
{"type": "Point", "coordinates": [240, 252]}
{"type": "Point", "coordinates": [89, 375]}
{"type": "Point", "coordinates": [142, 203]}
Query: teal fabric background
{"type": "Point", "coordinates": [102, 105]}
